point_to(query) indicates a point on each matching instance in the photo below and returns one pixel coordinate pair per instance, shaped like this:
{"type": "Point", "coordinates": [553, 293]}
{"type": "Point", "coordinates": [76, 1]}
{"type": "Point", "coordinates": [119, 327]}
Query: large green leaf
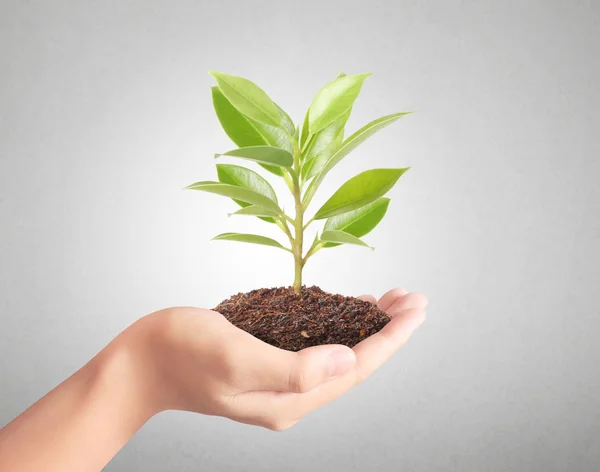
{"type": "Point", "coordinates": [254, 210]}
{"type": "Point", "coordinates": [244, 131]}
{"type": "Point", "coordinates": [235, 125]}
{"type": "Point", "coordinates": [333, 100]}
{"type": "Point", "coordinates": [268, 155]}
{"type": "Point", "coordinates": [359, 191]}
{"type": "Point", "coordinates": [237, 193]}
{"type": "Point", "coordinates": [249, 238]}
{"type": "Point", "coordinates": [341, 237]}
{"type": "Point", "coordinates": [347, 146]}
{"type": "Point", "coordinates": [360, 221]}
{"type": "Point", "coordinates": [248, 98]}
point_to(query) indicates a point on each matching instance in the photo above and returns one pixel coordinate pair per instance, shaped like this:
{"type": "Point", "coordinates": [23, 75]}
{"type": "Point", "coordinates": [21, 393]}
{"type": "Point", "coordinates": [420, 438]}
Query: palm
{"type": "Point", "coordinates": [407, 312]}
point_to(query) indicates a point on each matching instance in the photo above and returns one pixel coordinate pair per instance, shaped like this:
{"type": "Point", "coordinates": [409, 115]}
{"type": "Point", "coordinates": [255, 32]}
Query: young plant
{"type": "Point", "coordinates": [265, 134]}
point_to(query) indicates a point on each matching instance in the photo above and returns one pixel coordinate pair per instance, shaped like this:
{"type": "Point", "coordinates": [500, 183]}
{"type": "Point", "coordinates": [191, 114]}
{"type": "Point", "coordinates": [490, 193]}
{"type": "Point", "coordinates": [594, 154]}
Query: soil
{"type": "Point", "coordinates": [288, 321]}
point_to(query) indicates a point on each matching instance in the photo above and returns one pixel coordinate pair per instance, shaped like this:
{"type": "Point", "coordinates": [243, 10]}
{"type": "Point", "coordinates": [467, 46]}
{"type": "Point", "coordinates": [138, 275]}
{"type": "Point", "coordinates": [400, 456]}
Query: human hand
{"type": "Point", "coordinates": [194, 359]}
{"type": "Point", "coordinates": [191, 359]}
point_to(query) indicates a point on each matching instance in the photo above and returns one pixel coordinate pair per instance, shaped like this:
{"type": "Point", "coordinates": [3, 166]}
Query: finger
{"type": "Point", "coordinates": [410, 300]}
{"type": "Point", "coordinates": [261, 366]}
{"type": "Point", "coordinates": [390, 298]}
{"type": "Point", "coordinates": [374, 351]}
{"type": "Point", "coordinates": [368, 298]}
{"type": "Point", "coordinates": [280, 410]}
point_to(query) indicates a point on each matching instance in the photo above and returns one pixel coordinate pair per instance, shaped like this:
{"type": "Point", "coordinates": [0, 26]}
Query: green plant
{"type": "Point", "coordinates": [265, 134]}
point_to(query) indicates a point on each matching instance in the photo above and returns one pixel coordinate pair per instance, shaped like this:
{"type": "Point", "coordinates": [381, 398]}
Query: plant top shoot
{"type": "Point", "coordinates": [265, 134]}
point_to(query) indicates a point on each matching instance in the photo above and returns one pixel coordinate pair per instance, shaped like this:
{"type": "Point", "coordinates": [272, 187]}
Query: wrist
{"type": "Point", "coordinates": [125, 370]}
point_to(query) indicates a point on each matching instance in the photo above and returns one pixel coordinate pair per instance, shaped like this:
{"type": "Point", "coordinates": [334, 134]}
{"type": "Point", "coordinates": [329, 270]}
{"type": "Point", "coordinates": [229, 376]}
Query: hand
{"type": "Point", "coordinates": [196, 360]}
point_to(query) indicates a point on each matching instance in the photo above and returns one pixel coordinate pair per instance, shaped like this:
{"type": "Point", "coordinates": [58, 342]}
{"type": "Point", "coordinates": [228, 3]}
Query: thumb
{"type": "Point", "coordinates": [267, 368]}
{"type": "Point", "coordinates": [315, 365]}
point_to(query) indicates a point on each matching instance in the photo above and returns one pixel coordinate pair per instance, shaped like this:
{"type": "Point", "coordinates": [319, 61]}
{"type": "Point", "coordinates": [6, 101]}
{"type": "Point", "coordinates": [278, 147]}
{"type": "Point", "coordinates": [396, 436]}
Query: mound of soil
{"type": "Point", "coordinates": [288, 321]}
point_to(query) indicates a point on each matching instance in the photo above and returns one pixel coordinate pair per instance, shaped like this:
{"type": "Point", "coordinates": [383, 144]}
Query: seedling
{"type": "Point", "coordinates": [265, 134]}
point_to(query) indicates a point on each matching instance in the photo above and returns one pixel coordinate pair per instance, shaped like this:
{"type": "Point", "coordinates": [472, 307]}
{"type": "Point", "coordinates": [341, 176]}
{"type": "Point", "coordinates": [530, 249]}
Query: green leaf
{"type": "Point", "coordinates": [360, 221]}
{"type": "Point", "coordinates": [359, 191]}
{"type": "Point", "coordinates": [286, 121]}
{"type": "Point", "coordinates": [235, 125]}
{"type": "Point", "coordinates": [245, 132]}
{"type": "Point", "coordinates": [242, 177]}
{"type": "Point", "coordinates": [341, 237]}
{"type": "Point", "coordinates": [304, 134]}
{"type": "Point", "coordinates": [323, 139]}
{"type": "Point", "coordinates": [237, 193]}
{"type": "Point", "coordinates": [323, 146]}
{"type": "Point", "coordinates": [248, 98]}
{"type": "Point", "coordinates": [347, 146]}
{"type": "Point", "coordinates": [275, 137]}
{"type": "Point", "coordinates": [254, 210]}
{"type": "Point", "coordinates": [249, 238]}
{"type": "Point", "coordinates": [317, 163]}
{"type": "Point", "coordinates": [268, 155]}
{"type": "Point", "coordinates": [333, 101]}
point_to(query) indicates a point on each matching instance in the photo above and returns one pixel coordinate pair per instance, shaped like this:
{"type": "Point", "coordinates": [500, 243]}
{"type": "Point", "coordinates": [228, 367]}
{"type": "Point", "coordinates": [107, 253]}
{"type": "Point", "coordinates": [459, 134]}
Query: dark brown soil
{"type": "Point", "coordinates": [280, 317]}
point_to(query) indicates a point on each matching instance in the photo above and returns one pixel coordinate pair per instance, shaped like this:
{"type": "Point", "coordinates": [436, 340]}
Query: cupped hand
{"type": "Point", "coordinates": [195, 360]}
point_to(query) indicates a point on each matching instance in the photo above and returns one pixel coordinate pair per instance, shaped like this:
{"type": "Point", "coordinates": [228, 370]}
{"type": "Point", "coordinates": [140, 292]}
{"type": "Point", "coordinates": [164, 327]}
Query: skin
{"type": "Point", "coordinates": [192, 359]}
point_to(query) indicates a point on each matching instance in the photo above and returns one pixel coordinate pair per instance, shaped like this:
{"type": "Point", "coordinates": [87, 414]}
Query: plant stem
{"type": "Point", "coordinates": [298, 239]}
{"type": "Point", "coordinates": [298, 223]}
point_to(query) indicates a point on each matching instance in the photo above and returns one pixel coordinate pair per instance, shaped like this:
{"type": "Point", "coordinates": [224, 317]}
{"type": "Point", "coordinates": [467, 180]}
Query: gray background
{"type": "Point", "coordinates": [105, 114]}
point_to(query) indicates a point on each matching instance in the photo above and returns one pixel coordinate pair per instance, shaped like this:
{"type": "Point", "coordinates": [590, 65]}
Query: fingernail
{"type": "Point", "coordinates": [341, 361]}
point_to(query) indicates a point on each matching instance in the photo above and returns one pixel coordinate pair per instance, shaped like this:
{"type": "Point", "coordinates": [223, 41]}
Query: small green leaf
{"type": "Point", "coordinates": [324, 138]}
{"type": "Point", "coordinates": [360, 221]}
{"type": "Point", "coordinates": [235, 125]}
{"type": "Point", "coordinates": [316, 163]}
{"type": "Point", "coordinates": [333, 101]}
{"type": "Point", "coordinates": [359, 191]}
{"type": "Point", "coordinates": [237, 193]}
{"type": "Point", "coordinates": [286, 121]}
{"type": "Point", "coordinates": [341, 237]}
{"type": "Point", "coordinates": [347, 146]}
{"type": "Point", "coordinates": [275, 137]}
{"type": "Point", "coordinates": [254, 210]}
{"type": "Point", "coordinates": [249, 238]}
{"type": "Point", "coordinates": [242, 177]}
{"type": "Point", "coordinates": [268, 155]}
{"type": "Point", "coordinates": [304, 134]}
{"type": "Point", "coordinates": [248, 98]}
{"type": "Point", "coordinates": [247, 178]}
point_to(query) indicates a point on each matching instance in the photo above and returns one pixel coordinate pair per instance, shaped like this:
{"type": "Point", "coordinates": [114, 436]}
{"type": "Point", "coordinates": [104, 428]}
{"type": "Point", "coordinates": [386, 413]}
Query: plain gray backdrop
{"type": "Point", "coordinates": [106, 114]}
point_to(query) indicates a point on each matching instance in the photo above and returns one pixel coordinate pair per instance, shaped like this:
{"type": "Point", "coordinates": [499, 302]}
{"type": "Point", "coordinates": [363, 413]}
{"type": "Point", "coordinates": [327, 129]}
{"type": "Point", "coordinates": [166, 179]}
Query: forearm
{"type": "Point", "coordinates": [82, 423]}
